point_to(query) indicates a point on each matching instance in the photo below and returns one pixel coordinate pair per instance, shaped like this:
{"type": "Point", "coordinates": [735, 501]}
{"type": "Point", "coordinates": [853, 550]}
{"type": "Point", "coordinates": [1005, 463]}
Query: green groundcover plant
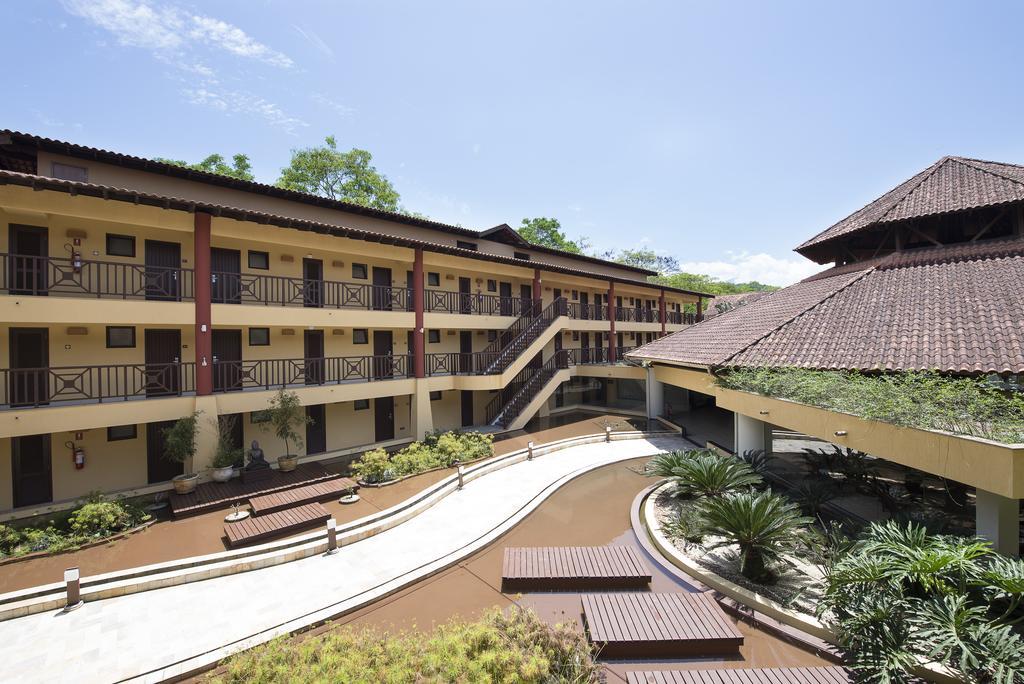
{"type": "Point", "coordinates": [437, 450]}
{"type": "Point", "coordinates": [514, 646]}
{"type": "Point", "coordinates": [980, 407]}
{"type": "Point", "coordinates": [96, 518]}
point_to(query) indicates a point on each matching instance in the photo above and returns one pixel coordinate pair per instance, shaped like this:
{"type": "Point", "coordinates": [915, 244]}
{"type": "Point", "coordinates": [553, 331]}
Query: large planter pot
{"type": "Point", "coordinates": [286, 464]}
{"type": "Point", "coordinates": [222, 474]}
{"type": "Point", "coordinates": [185, 484]}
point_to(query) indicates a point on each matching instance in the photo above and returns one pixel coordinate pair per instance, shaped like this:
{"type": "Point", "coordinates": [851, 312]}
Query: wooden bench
{"type": "Point", "coordinates": [289, 498]}
{"type": "Point", "coordinates": [216, 495]}
{"type": "Point", "coordinates": [763, 675]}
{"type": "Point", "coordinates": [254, 529]}
{"type": "Point", "coordinates": [568, 568]}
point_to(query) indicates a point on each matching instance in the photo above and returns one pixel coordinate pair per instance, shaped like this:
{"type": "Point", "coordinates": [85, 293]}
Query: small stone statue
{"type": "Point", "coordinates": [256, 458]}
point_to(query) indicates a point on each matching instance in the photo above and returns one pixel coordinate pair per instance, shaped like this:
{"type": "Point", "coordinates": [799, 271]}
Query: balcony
{"type": "Point", "coordinates": [446, 301]}
{"type": "Point", "coordinates": [267, 290]}
{"type": "Point", "coordinates": [42, 276]}
{"type": "Point", "coordinates": [266, 374]}
{"type": "Point", "coordinates": [32, 387]}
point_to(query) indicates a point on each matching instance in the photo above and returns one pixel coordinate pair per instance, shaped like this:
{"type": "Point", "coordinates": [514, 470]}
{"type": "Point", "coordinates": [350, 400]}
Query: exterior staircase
{"type": "Point", "coordinates": [516, 396]}
{"type": "Point", "coordinates": [517, 338]}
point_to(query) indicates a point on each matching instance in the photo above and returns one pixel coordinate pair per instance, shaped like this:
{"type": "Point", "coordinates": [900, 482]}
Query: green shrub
{"type": "Point", "coordinates": [10, 538]}
{"type": "Point", "coordinates": [500, 647]}
{"type": "Point", "coordinates": [437, 450]}
{"type": "Point", "coordinates": [100, 519]}
{"type": "Point", "coordinates": [701, 472]}
{"type": "Point", "coordinates": [373, 466]}
{"type": "Point", "coordinates": [688, 525]}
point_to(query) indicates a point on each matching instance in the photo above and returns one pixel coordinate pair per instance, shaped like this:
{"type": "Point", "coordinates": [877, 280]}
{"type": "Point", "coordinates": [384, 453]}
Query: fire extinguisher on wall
{"type": "Point", "coordinates": [77, 455]}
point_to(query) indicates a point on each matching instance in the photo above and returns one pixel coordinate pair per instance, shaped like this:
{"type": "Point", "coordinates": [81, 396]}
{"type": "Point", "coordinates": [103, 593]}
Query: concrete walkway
{"type": "Point", "coordinates": [159, 634]}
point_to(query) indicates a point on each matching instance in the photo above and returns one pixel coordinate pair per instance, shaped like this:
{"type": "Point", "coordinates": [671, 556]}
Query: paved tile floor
{"type": "Point", "coordinates": [159, 634]}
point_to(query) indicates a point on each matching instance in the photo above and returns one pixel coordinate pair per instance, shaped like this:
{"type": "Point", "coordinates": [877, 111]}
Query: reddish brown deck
{"type": "Point", "coordinates": [213, 495]}
{"type": "Point", "coordinates": [644, 625]}
{"type": "Point", "coordinates": [256, 529]}
{"type": "Point", "coordinates": [572, 568]}
{"type": "Point", "coordinates": [289, 498]}
{"type": "Point", "coordinates": [768, 675]}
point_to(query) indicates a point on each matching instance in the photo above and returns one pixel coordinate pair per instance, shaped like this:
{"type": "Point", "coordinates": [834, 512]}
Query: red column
{"type": "Point", "coordinates": [418, 359]}
{"type": "Point", "coordinates": [201, 287]}
{"type": "Point", "coordinates": [612, 342]}
{"type": "Point", "coordinates": [661, 310]}
{"type": "Point", "coordinates": [700, 310]}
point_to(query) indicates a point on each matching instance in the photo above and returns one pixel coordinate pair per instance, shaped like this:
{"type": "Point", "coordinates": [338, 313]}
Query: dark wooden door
{"type": "Point", "coordinates": [584, 347]}
{"type": "Point", "coordinates": [232, 424]}
{"type": "Point", "coordinates": [381, 289]}
{"type": "Point", "coordinates": [163, 362]}
{"type": "Point", "coordinates": [505, 292]}
{"type": "Point", "coordinates": [313, 341]}
{"type": "Point", "coordinates": [465, 351]}
{"type": "Point", "coordinates": [32, 470]}
{"type": "Point", "coordinates": [584, 305]}
{"type": "Point", "coordinates": [226, 265]}
{"type": "Point", "coordinates": [560, 359]}
{"type": "Point", "coordinates": [158, 467]}
{"type": "Point", "coordinates": [526, 299]}
{"type": "Point", "coordinates": [227, 361]}
{"type": "Point", "coordinates": [557, 294]}
{"type": "Point", "coordinates": [29, 360]}
{"type": "Point", "coordinates": [316, 429]}
{"type": "Point", "coordinates": [28, 266]}
{"type": "Point", "coordinates": [384, 418]}
{"type": "Point", "coordinates": [465, 295]}
{"type": "Point", "coordinates": [163, 262]}
{"type": "Point", "coordinates": [410, 284]}
{"type": "Point", "coordinates": [383, 350]}
{"type": "Point", "coordinates": [312, 283]}
{"type": "Point", "coordinates": [467, 408]}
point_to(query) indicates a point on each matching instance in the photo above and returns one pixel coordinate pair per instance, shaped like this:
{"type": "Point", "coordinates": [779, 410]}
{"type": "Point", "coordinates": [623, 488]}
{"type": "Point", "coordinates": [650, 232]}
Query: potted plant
{"type": "Point", "coordinates": [180, 446]}
{"type": "Point", "coordinates": [286, 415]}
{"type": "Point", "coordinates": [228, 456]}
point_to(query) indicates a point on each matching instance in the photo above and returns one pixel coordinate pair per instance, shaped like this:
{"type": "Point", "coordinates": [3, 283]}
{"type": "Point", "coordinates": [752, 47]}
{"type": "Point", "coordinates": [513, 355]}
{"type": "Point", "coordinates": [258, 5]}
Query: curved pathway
{"type": "Point", "coordinates": [154, 635]}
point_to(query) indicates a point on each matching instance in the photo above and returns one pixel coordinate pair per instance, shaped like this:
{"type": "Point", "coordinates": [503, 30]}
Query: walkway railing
{"type": "Point", "coordinates": [40, 276]}
{"type": "Point", "coordinates": [232, 376]}
{"type": "Point", "coordinates": [28, 387]}
{"type": "Point", "coordinates": [446, 301]}
{"type": "Point", "coordinates": [268, 290]}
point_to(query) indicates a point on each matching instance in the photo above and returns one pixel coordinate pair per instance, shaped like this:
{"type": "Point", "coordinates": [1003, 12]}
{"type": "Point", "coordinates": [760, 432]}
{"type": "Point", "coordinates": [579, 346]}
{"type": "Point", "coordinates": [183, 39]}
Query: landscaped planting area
{"type": "Point", "coordinates": [897, 595]}
{"type": "Point", "coordinates": [437, 450]}
{"type": "Point", "coordinates": [978, 407]}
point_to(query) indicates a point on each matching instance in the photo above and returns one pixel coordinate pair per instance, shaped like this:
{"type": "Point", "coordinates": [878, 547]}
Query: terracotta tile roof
{"type": "Point", "coordinates": [716, 339]}
{"type": "Point", "coordinates": [950, 184]}
{"type": "Point", "coordinates": [957, 309]}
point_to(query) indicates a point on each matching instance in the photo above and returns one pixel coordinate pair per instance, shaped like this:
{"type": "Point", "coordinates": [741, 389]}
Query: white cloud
{"type": "Point", "coordinates": [764, 268]}
{"type": "Point", "coordinates": [234, 102]}
{"type": "Point", "coordinates": [169, 29]}
{"type": "Point", "coordinates": [340, 109]}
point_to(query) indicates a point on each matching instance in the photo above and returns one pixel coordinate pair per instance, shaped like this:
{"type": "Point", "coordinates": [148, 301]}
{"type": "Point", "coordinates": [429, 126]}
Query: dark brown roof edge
{"type": "Point", "coordinates": [163, 168]}
{"type": "Point", "coordinates": [179, 204]}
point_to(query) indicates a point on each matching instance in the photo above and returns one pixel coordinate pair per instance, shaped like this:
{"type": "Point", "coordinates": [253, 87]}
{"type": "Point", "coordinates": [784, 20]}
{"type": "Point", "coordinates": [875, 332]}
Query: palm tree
{"type": "Point", "coordinates": [763, 524]}
{"type": "Point", "coordinates": [711, 475]}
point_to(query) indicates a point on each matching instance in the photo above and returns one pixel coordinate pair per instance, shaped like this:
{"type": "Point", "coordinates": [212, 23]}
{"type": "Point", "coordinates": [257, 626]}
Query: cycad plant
{"type": "Point", "coordinates": [763, 524]}
{"type": "Point", "coordinates": [704, 473]}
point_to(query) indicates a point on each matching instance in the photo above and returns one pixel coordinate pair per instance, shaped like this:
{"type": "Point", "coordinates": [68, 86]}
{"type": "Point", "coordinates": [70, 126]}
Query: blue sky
{"type": "Point", "coordinates": [720, 133]}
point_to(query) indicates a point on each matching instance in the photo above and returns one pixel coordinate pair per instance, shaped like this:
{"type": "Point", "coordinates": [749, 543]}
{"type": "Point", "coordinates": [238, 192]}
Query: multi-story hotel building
{"type": "Point", "coordinates": [135, 292]}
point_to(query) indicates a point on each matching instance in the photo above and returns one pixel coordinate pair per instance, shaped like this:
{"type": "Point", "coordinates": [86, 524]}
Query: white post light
{"type": "Point", "coordinates": [608, 434]}
{"type": "Point", "coordinates": [332, 536]}
{"type": "Point", "coordinates": [72, 578]}
{"type": "Point", "coordinates": [529, 451]}
{"type": "Point", "coordinates": [461, 473]}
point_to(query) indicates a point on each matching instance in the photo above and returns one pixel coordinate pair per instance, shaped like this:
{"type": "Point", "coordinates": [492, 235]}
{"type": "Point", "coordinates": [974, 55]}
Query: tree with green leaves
{"type": "Point", "coordinates": [239, 168]}
{"type": "Point", "coordinates": [645, 258]}
{"type": "Point", "coordinates": [286, 415]}
{"type": "Point", "coordinates": [547, 232]}
{"type": "Point", "coordinates": [345, 176]}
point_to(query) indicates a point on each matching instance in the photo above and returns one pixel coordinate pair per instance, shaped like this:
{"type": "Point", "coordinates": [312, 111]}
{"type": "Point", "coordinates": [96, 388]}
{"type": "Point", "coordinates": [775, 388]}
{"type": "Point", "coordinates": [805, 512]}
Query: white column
{"type": "Point", "coordinates": [655, 395]}
{"type": "Point", "coordinates": [998, 521]}
{"type": "Point", "coordinates": [750, 433]}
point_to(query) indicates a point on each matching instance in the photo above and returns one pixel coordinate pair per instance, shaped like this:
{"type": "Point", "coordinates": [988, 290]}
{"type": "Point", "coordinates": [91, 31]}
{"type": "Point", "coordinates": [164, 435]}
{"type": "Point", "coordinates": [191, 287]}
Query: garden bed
{"type": "Point", "coordinates": [437, 451]}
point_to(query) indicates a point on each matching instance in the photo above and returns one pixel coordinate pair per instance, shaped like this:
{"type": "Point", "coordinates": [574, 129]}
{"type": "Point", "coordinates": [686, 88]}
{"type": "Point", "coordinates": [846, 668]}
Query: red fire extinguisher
{"type": "Point", "coordinates": [77, 455]}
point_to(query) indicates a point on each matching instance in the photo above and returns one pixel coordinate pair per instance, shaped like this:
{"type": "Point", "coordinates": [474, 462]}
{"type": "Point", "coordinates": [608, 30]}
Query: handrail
{"type": "Point", "coordinates": [32, 387]}
{"type": "Point", "coordinates": [271, 290]}
{"type": "Point", "coordinates": [22, 274]}
{"type": "Point", "coordinates": [527, 390]}
{"type": "Point", "coordinates": [447, 301]}
{"type": "Point", "coordinates": [233, 376]}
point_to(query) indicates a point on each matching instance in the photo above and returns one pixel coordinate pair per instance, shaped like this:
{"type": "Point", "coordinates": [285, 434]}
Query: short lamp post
{"type": "Point", "coordinates": [529, 451]}
{"type": "Point", "coordinates": [608, 434]}
{"type": "Point", "coordinates": [72, 578]}
{"type": "Point", "coordinates": [462, 472]}
{"type": "Point", "coordinates": [332, 536]}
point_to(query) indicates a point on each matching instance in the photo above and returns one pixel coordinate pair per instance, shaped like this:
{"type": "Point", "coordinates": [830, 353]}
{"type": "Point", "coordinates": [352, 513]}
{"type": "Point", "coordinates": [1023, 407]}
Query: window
{"type": "Point", "coordinates": [435, 395]}
{"type": "Point", "coordinates": [433, 279]}
{"type": "Point", "coordinates": [259, 337]}
{"type": "Point", "coordinates": [492, 285]}
{"type": "Point", "coordinates": [120, 245]}
{"type": "Point", "coordinates": [433, 336]}
{"type": "Point", "coordinates": [521, 255]}
{"type": "Point", "coordinates": [575, 294]}
{"type": "Point", "coordinates": [361, 404]}
{"type": "Point", "coordinates": [360, 336]}
{"type": "Point", "coordinates": [462, 244]}
{"type": "Point", "coordinates": [257, 417]}
{"type": "Point", "coordinates": [260, 260]}
{"type": "Point", "coordinates": [359, 271]}
{"type": "Point", "coordinates": [69, 172]}
{"type": "Point", "coordinates": [116, 433]}
{"type": "Point", "coordinates": [120, 337]}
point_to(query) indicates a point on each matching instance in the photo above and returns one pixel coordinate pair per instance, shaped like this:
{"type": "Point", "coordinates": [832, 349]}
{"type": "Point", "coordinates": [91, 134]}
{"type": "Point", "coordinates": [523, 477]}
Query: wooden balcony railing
{"type": "Point", "coordinates": [268, 290]}
{"type": "Point", "coordinates": [231, 376]}
{"type": "Point", "coordinates": [446, 301]}
{"type": "Point", "coordinates": [40, 276]}
{"type": "Point", "coordinates": [27, 387]}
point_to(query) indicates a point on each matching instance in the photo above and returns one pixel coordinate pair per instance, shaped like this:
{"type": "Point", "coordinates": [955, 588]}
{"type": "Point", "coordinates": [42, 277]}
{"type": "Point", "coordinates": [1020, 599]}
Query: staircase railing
{"type": "Point", "coordinates": [521, 335]}
{"type": "Point", "coordinates": [533, 380]}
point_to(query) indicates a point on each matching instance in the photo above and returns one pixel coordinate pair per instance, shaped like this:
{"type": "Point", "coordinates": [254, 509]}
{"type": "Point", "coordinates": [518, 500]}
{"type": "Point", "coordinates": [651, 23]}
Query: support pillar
{"type": "Point", "coordinates": [655, 395]}
{"type": "Point", "coordinates": [422, 411]}
{"type": "Point", "coordinates": [537, 302]}
{"type": "Point", "coordinates": [418, 358]}
{"type": "Point", "coordinates": [612, 342]}
{"type": "Point", "coordinates": [661, 310]}
{"type": "Point", "coordinates": [201, 287]}
{"type": "Point", "coordinates": [998, 521]}
{"type": "Point", "coordinates": [751, 434]}
{"type": "Point", "coordinates": [700, 310]}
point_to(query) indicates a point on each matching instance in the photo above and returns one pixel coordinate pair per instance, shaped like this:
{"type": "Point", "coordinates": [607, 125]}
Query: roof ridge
{"type": "Point", "coordinates": [856, 276]}
{"type": "Point", "coordinates": [928, 173]}
{"type": "Point", "coordinates": [973, 163]}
